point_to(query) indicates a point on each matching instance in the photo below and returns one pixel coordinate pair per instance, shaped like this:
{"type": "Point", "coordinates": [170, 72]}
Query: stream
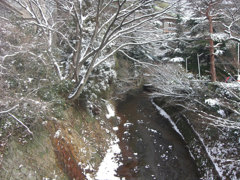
{"type": "Point", "coordinates": [150, 148]}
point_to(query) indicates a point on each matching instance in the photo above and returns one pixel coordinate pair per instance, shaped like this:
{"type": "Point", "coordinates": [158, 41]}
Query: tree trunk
{"type": "Point", "coordinates": [82, 83]}
{"type": "Point", "coordinates": [211, 46]}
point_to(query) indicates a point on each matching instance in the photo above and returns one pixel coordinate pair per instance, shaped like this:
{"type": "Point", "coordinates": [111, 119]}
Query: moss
{"type": "Point", "coordinates": [13, 83]}
{"type": "Point", "coordinates": [46, 94]}
{"type": "Point", "coordinates": [212, 86]}
{"type": "Point", "coordinates": [90, 119]}
{"type": "Point", "coordinates": [32, 160]}
{"type": "Point", "coordinates": [80, 130]}
{"type": "Point", "coordinates": [55, 92]}
{"type": "Point", "coordinates": [58, 110]}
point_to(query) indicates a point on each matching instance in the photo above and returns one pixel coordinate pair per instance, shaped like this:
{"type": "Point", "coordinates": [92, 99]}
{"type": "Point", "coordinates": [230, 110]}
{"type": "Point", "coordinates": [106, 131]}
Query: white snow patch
{"type": "Point", "coordinates": [30, 80]}
{"type": "Point", "coordinates": [109, 165]}
{"type": "Point", "coordinates": [88, 176]}
{"type": "Point", "coordinates": [231, 85]}
{"type": "Point", "coordinates": [111, 111]}
{"type": "Point", "coordinates": [178, 50]}
{"type": "Point", "coordinates": [177, 59]}
{"type": "Point", "coordinates": [115, 128]}
{"type": "Point", "coordinates": [140, 121]}
{"type": "Point", "coordinates": [218, 52]}
{"type": "Point", "coordinates": [219, 37]}
{"type": "Point", "coordinates": [212, 102]}
{"type": "Point", "coordinates": [221, 112]}
{"type": "Point", "coordinates": [44, 122]}
{"type": "Point", "coordinates": [127, 124]}
{"type": "Point", "coordinates": [107, 131]}
{"type": "Point", "coordinates": [57, 134]}
{"type": "Point", "coordinates": [152, 130]}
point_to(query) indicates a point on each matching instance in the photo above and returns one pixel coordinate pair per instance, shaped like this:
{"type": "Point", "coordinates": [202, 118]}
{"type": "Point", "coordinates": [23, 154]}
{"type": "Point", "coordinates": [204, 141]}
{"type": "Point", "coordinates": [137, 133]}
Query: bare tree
{"type": "Point", "coordinates": [231, 22]}
{"type": "Point", "coordinates": [87, 32]}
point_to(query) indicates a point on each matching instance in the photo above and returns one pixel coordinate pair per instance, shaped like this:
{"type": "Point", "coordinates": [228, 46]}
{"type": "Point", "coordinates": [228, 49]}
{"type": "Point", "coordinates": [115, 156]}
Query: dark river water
{"type": "Point", "coordinates": [151, 149]}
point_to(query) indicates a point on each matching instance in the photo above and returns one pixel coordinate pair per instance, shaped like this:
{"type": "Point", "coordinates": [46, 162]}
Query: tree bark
{"type": "Point", "coordinates": [211, 46]}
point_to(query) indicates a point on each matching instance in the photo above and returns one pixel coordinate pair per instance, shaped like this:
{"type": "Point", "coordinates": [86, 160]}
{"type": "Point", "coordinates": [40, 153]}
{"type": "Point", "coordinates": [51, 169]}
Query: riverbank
{"type": "Point", "coordinates": [209, 124]}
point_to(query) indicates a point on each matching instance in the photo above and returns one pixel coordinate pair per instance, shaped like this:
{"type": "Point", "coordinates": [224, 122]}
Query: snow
{"type": "Point", "coordinates": [111, 111]}
{"type": "Point", "coordinates": [127, 124]}
{"type": "Point", "coordinates": [178, 50]}
{"type": "Point", "coordinates": [164, 114]}
{"type": "Point", "coordinates": [219, 52]}
{"type": "Point", "coordinates": [30, 80]}
{"type": "Point", "coordinates": [231, 85]}
{"type": "Point", "coordinates": [57, 134]}
{"type": "Point", "coordinates": [208, 152]}
{"type": "Point", "coordinates": [212, 102]}
{"type": "Point", "coordinates": [153, 130]}
{"type": "Point", "coordinates": [209, 155]}
{"type": "Point", "coordinates": [221, 112]}
{"type": "Point", "coordinates": [219, 37]}
{"type": "Point", "coordinates": [76, 89]}
{"type": "Point", "coordinates": [115, 128]}
{"type": "Point", "coordinates": [109, 165]}
{"type": "Point", "coordinates": [177, 59]}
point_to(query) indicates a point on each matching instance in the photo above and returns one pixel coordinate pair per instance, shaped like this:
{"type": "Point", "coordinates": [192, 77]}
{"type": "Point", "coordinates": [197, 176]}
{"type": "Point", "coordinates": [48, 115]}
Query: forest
{"type": "Point", "coordinates": [79, 77]}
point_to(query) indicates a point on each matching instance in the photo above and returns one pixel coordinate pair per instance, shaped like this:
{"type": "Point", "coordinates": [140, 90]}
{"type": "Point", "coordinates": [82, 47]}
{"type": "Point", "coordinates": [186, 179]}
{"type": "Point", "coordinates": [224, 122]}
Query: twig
{"type": "Point", "coordinates": [7, 111]}
{"type": "Point", "coordinates": [14, 117]}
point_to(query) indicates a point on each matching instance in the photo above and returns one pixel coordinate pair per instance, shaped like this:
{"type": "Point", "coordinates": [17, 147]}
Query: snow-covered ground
{"type": "Point", "coordinates": [111, 111]}
{"type": "Point", "coordinates": [177, 59]}
{"type": "Point", "coordinates": [110, 164]}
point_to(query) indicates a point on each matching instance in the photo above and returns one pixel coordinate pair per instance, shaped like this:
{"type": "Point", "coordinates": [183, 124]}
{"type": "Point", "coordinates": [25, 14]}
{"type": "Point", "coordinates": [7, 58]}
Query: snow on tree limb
{"type": "Point", "coordinates": [14, 117]}
{"type": "Point", "coordinates": [87, 30]}
{"type": "Point", "coordinates": [231, 14]}
{"type": "Point", "coordinates": [7, 111]}
{"type": "Point", "coordinates": [138, 61]}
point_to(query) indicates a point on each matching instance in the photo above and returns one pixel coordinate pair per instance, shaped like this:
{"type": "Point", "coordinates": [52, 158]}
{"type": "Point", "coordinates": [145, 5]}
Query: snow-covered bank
{"type": "Point", "coordinates": [109, 165]}
{"type": "Point", "coordinates": [195, 144]}
{"type": "Point", "coordinates": [208, 119]}
{"type": "Point", "coordinates": [111, 111]}
{"type": "Point", "coordinates": [165, 115]}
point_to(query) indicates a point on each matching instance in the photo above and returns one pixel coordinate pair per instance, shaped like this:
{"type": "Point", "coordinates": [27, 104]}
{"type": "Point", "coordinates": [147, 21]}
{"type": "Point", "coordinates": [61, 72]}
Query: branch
{"type": "Point", "coordinates": [7, 111]}
{"type": "Point", "coordinates": [20, 122]}
{"type": "Point", "coordinates": [138, 61]}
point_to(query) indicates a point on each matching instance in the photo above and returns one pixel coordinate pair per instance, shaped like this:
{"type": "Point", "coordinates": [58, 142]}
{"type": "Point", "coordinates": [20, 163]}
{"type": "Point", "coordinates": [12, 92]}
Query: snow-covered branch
{"type": "Point", "coordinates": [231, 14]}
{"type": "Point", "coordinates": [14, 117]}
{"type": "Point", "coordinates": [9, 110]}
{"type": "Point", "coordinates": [90, 31]}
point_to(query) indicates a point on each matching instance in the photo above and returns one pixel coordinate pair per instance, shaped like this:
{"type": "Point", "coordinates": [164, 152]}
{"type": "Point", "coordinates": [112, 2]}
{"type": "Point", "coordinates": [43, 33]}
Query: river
{"type": "Point", "coordinates": [150, 148]}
